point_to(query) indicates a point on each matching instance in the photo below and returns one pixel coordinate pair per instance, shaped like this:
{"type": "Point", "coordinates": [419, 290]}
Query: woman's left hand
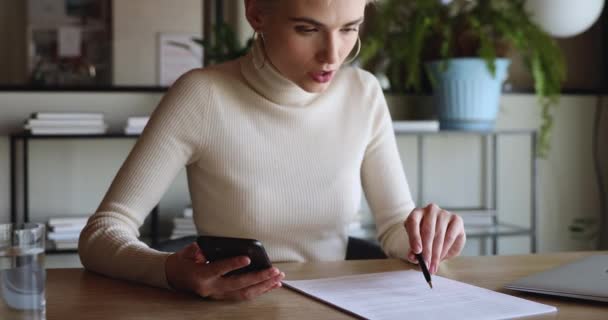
{"type": "Point", "coordinates": [435, 232]}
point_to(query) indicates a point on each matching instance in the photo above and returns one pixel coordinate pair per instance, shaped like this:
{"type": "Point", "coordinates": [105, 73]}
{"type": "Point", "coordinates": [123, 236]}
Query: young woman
{"type": "Point", "coordinates": [277, 145]}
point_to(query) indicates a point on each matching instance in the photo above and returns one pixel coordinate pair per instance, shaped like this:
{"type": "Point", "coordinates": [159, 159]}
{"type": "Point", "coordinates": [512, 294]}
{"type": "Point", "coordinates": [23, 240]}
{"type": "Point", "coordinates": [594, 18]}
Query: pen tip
{"type": "Point", "coordinates": [431, 284]}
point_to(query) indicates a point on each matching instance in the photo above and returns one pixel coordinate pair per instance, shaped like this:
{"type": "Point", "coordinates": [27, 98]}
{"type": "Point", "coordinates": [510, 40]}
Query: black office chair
{"type": "Point", "coordinates": [174, 244]}
{"type": "Point", "coordinates": [356, 249]}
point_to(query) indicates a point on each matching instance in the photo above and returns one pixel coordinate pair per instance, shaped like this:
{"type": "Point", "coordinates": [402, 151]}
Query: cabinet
{"type": "Point", "coordinates": [23, 174]}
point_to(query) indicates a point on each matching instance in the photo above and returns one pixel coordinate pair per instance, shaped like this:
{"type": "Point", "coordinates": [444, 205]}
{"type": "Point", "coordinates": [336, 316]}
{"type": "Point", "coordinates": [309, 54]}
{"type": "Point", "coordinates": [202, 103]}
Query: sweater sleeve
{"type": "Point", "coordinates": [384, 181]}
{"type": "Point", "coordinates": [109, 242]}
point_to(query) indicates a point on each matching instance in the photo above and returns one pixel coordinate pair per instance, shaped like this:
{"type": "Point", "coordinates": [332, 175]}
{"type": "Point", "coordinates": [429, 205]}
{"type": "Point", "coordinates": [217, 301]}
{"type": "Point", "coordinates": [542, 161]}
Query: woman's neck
{"type": "Point", "coordinates": [264, 78]}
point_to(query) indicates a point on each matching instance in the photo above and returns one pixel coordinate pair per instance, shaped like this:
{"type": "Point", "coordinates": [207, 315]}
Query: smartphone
{"type": "Point", "coordinates": [218, 248]}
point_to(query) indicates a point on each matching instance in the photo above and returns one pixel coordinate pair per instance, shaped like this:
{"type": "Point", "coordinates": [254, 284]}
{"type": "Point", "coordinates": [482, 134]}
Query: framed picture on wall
{"type": "Point", "coordinates": [46, 12]}
{"type": "Point", "coordinates": [177, 54]}
{"type": "Point", "coordinates": [87, 9]}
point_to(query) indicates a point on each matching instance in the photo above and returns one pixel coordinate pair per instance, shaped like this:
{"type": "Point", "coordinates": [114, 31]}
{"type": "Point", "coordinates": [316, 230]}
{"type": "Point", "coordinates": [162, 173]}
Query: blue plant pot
{"type": "Point", "coordinates": [466, 93]}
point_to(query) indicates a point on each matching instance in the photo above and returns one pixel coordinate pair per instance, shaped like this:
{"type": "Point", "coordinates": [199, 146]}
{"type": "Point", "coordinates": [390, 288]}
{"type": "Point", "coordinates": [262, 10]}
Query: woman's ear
{"type": "Point", "coordinates": [254, 14]}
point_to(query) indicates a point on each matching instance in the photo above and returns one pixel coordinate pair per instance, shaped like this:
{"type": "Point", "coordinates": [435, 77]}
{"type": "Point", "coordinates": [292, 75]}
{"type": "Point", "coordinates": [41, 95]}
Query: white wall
{"type": "Point", "coordinates": [136, 27]}
{"type": "Point", "coordinates": [70, 177]}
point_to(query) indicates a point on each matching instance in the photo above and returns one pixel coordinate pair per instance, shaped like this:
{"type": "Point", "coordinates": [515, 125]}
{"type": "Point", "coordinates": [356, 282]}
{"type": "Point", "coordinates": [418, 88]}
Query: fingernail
{"type": "Point", "coordinates": [246, 260]}
{"type": "Point", "coordinates": [279, 285]}
{"type": "Point", "coordinates": [433, 268]}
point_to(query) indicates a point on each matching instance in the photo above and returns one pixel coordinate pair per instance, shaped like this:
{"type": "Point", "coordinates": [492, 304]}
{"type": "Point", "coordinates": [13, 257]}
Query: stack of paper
{"type": "Point", "coordinates": [58, 123]}
{"type": "Point", "coordinates": [135, 125]}
{"type": "Point", "coordinates": [360, 227]}
{"type": "Point", "coordinates": [64, 232]}
{"type": "Point", "coordinates": [183, 226]}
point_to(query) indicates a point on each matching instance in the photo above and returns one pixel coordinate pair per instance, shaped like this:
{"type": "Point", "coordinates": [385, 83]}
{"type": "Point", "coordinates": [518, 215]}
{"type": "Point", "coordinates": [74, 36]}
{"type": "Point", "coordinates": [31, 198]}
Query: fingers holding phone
{"type": "Point", "coordinates": [191, 270]}
{"type": "Point", "coordinates": [248, 285]}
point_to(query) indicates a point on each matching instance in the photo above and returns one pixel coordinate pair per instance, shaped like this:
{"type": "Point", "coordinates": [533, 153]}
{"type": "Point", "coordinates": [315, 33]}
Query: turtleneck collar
{"type": "Point", "coordinates": [261, 75]}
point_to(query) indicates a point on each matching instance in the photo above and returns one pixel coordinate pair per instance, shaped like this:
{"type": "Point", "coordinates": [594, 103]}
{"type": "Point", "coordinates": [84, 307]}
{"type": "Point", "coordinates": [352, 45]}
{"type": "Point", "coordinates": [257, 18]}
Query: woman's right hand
{"type": "Point", "coordinates": [188, 270]}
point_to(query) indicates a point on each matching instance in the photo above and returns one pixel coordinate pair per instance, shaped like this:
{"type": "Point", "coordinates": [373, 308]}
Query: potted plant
{"type": "Point", "coordinates": [454, 40]}
{"type": "Point", "coordinates": [224, 45]}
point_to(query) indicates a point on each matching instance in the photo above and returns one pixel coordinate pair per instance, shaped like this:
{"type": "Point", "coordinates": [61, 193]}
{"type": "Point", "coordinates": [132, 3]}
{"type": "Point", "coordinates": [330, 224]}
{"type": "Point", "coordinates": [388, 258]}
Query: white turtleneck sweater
{"type": "Point", "coordinates": [265, 160]}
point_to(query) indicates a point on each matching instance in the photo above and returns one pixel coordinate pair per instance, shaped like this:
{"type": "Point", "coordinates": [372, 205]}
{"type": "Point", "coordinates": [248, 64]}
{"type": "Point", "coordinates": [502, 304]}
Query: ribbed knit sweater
{"type": "Point", "coordinates": [265, 160]}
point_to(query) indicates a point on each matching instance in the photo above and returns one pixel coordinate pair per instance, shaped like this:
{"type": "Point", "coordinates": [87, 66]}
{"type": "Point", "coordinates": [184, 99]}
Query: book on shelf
{"type": "Point", "coordinates": [63, 232]}
{"type": "Point", "coordinates": [183, 222]}
{"type": "Point", "coordinates": [137, 121]}
{"type": "Point", "coordinates": [416, 125]}
{"type": "Point", "coordinates": [182, 233]}
{"type": "Point", "coordinates": [67, 115]}
{"type": "Point", "coordinates": [57, 226]}
{"type": "Point", "coordinates": [67, 220]}
{"type": "Point", "coordinates": [188, 212]}
{"type": "Point", "coordinates": [135, 125]}
{"type": "Point", "coordinates": [65, 245]}
{"type": "Point", "coordinates": [64, 123]}
{"type": "Point", "coordinates": [66, 228]}
{"type": "Point", "coordinates": [133, 130]}
{"type": "Point", "coordinates": [59, 236]}
{"type": "Point", "coordinates": [183, 225]}
{"type": "Point", "coordinates": [67, 130]}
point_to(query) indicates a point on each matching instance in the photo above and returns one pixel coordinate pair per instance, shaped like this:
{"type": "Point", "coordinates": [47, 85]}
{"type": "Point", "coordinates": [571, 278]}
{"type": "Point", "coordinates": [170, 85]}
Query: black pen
{"type": "Point", "coordinates": [425, 271]}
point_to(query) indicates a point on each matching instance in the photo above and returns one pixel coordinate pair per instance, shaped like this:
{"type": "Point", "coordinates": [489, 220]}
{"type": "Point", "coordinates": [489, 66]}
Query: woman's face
{"type": "Point", "coordinates": [308, 40]}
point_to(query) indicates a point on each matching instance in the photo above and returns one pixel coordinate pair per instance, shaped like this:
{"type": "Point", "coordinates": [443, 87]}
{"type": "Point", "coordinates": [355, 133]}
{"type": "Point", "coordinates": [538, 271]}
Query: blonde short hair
{"type": "Point", "coordinates": [267, 3]}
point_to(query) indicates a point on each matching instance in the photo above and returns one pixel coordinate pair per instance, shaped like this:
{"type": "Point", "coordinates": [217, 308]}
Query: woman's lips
{"type": "Point", "coordinates": [321, 77]}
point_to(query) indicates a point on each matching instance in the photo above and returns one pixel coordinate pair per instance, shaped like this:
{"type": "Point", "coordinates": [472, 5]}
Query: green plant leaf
{"type": "Point", "coordinates": [408, 33]}
{"type": "Point", "coordinates": [224, 45]}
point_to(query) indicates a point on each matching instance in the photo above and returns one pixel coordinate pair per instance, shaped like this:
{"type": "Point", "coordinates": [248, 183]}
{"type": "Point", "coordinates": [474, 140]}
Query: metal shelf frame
{"type": "Point", "coordinates": [25, 138]}
{"type": "Point", "coordinates": [490, 198]}
{"type": "Point", "coordinates": [490, 160]}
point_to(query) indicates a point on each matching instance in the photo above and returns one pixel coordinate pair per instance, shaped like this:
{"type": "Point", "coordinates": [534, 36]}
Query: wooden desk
{"type": "Point", "coordinates": [78, 294]}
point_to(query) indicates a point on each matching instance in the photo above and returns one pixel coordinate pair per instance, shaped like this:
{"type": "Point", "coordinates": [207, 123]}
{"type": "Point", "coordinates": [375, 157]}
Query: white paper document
{"type": "Point", "coordinates": [405, 294]}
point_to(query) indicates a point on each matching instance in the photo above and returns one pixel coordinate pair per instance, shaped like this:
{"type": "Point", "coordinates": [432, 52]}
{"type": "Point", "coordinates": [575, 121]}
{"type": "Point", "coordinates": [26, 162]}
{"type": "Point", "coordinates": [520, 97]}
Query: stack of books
{"type": "Point", "coordinates": [63, 232]}
{"type": "Point", "coordinates": [183, 226]}
{"type": "Point", "coordinates": [361, 227]}
{"type": "Point", "coordinates": [60, 123]}
{"type": "Point", "coordinates": [135, 125]}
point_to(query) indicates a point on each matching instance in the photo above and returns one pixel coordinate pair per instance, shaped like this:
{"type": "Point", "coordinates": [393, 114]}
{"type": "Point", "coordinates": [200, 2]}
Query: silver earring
{"type": "Point", "coordinates": [357, 52]}
{"type": "Point", "coordinates": [258, 35]}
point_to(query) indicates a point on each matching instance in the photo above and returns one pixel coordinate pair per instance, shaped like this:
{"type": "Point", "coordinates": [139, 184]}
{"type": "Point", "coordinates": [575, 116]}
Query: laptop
{"type": "Point", "coordinates": [584, 279]}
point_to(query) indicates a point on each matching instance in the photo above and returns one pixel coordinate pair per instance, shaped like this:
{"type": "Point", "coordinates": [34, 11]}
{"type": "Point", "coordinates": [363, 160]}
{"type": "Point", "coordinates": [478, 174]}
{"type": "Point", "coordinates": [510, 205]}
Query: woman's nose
{"type": "Point", "coordinates": [330, 52]}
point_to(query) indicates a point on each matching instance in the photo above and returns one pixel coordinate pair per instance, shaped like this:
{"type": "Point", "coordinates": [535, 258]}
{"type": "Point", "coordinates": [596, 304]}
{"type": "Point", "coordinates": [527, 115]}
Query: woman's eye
{"type": "Point", "coordinates": [305, 29]}
{"type": "Point", "coordinates": [350, 30]}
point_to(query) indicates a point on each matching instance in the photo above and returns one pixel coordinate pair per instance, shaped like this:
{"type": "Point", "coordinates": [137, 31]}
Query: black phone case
{"type": "Point", "coordinates": [219, 248]}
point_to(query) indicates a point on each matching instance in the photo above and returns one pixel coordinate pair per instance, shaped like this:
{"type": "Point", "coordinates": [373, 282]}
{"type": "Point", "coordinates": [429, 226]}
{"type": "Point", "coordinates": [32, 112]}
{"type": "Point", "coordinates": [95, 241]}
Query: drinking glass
{"type": "Point", "coordinates": [22, 273]}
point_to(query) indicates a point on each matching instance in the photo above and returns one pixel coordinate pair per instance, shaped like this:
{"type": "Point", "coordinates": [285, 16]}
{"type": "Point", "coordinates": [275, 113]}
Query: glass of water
{"type": "Point", "coordinates": [22, 273]}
